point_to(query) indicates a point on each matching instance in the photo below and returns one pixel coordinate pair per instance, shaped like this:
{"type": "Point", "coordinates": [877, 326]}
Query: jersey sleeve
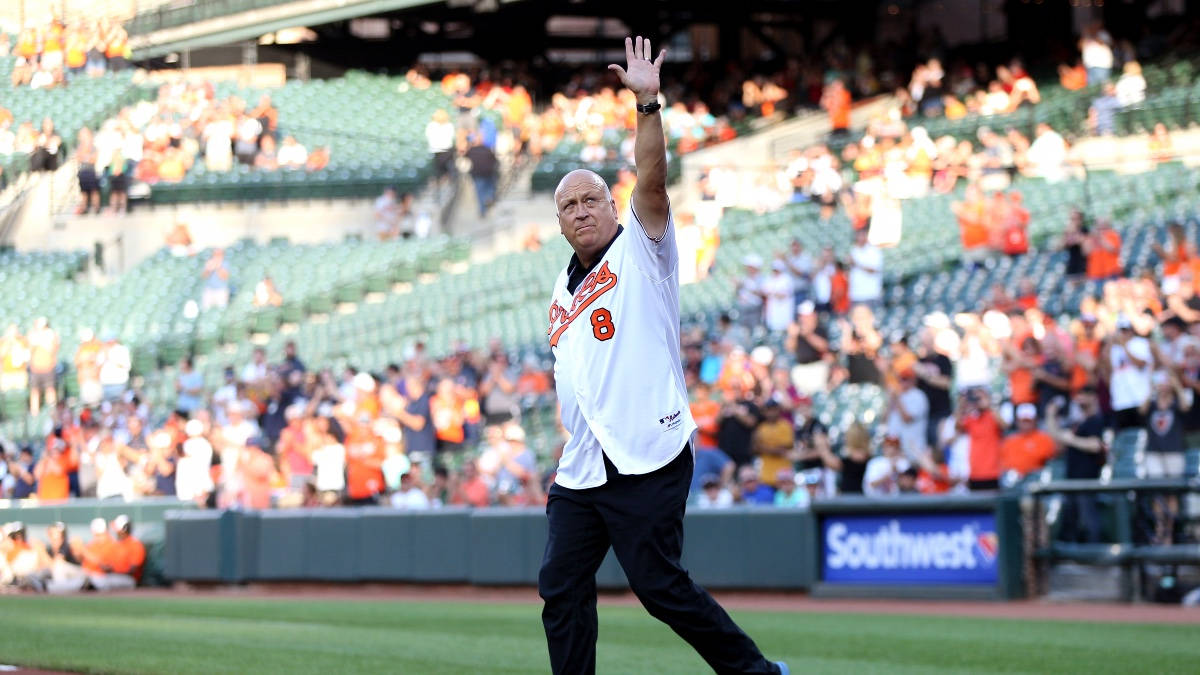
{"type": "Point", "coordinates": [656, 258]}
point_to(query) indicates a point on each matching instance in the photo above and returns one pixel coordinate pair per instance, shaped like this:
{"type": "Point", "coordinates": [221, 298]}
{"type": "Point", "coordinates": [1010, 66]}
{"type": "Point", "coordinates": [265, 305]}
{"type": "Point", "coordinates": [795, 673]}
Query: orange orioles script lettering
{"type": "Point", "coordinates": [594, 285]}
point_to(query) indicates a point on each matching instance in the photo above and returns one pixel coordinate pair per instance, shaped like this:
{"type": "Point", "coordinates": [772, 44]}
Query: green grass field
{"type": "Point", "coordinates": [243, 635]}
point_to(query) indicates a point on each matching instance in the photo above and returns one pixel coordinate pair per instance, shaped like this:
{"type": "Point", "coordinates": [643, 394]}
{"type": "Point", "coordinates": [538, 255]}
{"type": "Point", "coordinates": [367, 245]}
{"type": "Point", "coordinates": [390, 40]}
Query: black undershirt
{"type": "Point", "coordinates": [576, 272]}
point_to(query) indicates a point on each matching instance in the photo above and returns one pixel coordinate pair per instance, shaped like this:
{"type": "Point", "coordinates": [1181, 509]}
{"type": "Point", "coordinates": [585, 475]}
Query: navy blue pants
{"type": "Point", "coordinates": [641, 517]}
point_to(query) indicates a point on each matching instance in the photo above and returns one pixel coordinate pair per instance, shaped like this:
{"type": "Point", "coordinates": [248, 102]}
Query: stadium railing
{"type": "Point", "coordinates": [1124, 511]}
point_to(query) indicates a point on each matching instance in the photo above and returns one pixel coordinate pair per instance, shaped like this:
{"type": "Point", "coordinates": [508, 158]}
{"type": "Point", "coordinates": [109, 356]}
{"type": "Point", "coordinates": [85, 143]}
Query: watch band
{"type": "Point", "coordinates": [649, 108]}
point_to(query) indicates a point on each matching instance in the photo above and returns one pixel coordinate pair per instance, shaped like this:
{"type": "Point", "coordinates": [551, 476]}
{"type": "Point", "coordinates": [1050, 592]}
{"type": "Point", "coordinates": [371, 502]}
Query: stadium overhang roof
{"type": "Point", "coordinates": [253, 23]}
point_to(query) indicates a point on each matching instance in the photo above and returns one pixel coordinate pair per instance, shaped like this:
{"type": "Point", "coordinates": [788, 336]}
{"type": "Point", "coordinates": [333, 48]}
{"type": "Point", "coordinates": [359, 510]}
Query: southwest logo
{"type": "Point", "coordinates": [594, 285]}
{"type": "Point", "coordinates": [988, 545]}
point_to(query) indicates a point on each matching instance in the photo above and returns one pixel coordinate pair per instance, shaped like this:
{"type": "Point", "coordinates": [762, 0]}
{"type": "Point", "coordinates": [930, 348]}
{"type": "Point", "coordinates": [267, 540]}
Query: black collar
{"type": "Point", "coordinates": [576, 272]}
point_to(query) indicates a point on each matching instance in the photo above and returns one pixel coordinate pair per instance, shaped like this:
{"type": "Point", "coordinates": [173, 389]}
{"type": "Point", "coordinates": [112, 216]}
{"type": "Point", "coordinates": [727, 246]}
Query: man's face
{"type": "Point", "coordinates": [587, 215]}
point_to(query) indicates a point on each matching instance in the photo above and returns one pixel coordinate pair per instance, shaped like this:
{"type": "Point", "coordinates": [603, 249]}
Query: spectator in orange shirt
{"type": "Point", "coordinates": [1178, 253]}
{"type": "Point", "coordinates": [364, 465]}
{"type": "Point", "coordinates": [1015, 226]}
{"type": "Point", "coordinates": [532, 381]}
{"type": "Point", "coordinates": [1020, 364]}
{"type": "Point", "coordinates": [1072, 78]}
{"type": "Point", "coordinates": [1103, 251]}
{"type": "Point", "coordinates": [1027, 449]}
{"type": "Point", "coordinates": [982, 427]}
{"type": "Point", "coordinates": [471, 489]}
{"type": "Point", "coordinates": [445, 406]}
{"type": "Point", "coordinates": [836, 101]}
{"type": "Point", "coordinates": [973, 224]}
{"type": "Point", "coordinates": [1027, 297]}
{"type": "Point", "coordinates": [839, 289]}
{"type": "Point", "coordinates": [53, 471]}
{"type": "Point", "coordinates": [100, 556]}
{"type": "Point", "coordinates": [257, 470]}
{"type": "Point", "coordinates": [130, 553]}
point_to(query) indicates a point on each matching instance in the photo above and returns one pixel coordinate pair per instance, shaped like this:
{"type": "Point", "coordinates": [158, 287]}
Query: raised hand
{"type": "Point", "coordinates": [640, 74]}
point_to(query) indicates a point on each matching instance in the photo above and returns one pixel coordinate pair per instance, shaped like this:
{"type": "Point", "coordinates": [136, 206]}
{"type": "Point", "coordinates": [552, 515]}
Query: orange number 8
{"type": "Point", "coordinates": [602, 325]}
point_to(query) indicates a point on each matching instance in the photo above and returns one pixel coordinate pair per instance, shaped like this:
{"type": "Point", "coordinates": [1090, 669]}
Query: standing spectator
{"type": "Point", "coordinates": [1103, 251]}
{"type": "Point", "coordinates": [329, 461]}
{"type": "Point", "coordinates": [1027, 449]}
{"type": "Point", "coordinates": [1131, 86]}
{"type": "Point", "coordinates": [779, 294]}
{"type": "Point", "coordinates": [982, 427]}
{"type": "Point", "coordinates": [735, 425]}
{"type": "Point", "coordinates": [439, 135]}
{"type": "Point", "coordinates": [808, 341]}
{"type": "Point", "coordinates": [709, 457]}
{"type": "Point", "coordinates": [1130, 367]}
{"type": "Point", "coordinates": [852, 465]}
{"type": "Point", "coordinates": [773, 441]}
{"type": "Point", "coordinates": [88, 358]}
{"type": "Point", "coordinates": [800, 265]}
{"type": "Point", "coordinates": [53, 470]}
{"type": "Point", "coordinates": [115, 364]}
{"type": "Point", "coordinates": [364, 464]}
{"type": "Point", "coordinates": [1047, 155]}
{"type": "Point", "coordinates": [866, 271]}
{"type": "Point", "coordinates": [14, 360]}
{"type": "Point", "coordinates": [485, 173]}
{"type": "Point", "coordinates": [416, 417]}
{"type": "Point", "coordinates": [749, 292]}
{"type": "Point", "coordinates": [89, 182]}
{"type": "Point", "coordinates": [498, 390]}
{"type": "Point", "coordinates": [22, 470]}
{"type": "Point", "coordinates": [518, 464]}
{"type": "Point", "coordinates": [387, 215]}
{"type": "Point", "coordinates": [882, 475]}
{"type": "Point", "coordinates": [934, 374]}
{"type": "Point", "coordinates": [835, 99]}
{"type": "Point", "coordinates": [216, 281]}
{"type": "Point", "coordinates": [1085, 456]}
{"type": "Point", "coordinates": [908, 415]}
{"type": "Point", "coordinates": [43, 362]}
{"type": "Point", "coordinates": [1095, 49]}
{"type": "Point", "coordinates": [189, 387]}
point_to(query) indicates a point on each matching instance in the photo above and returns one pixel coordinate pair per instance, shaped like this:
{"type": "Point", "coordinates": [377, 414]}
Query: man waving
{"type": "Point", "coordinates": [624, 475]}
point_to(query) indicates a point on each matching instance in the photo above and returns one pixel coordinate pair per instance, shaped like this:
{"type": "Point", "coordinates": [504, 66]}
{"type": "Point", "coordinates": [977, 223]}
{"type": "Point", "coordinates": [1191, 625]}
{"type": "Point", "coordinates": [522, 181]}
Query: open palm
{"type": "Point", "coordinates": [640, 74]}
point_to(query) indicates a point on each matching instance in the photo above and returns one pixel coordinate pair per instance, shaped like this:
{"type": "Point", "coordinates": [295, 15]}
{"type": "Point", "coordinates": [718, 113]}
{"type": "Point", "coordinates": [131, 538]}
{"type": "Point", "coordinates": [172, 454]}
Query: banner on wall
{"type": "Point", "coordinates": [910, 548]}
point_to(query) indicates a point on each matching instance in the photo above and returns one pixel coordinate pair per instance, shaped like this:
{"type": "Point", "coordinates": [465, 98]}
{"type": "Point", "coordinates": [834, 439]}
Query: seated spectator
{"type": "Point", "coordinates": [881, 478]}
{"type": "Point", "coordinates": [751, 490]}
{"type": "Point", "coordinates": [292, 155]}
{"type": "Point", "coordinates": [318, 159]}
{"type": "Point", "coordinates": [410, 496]}
{"type": "Point", "coordinates": [787, 494]}
{"type": "Point", "coordinates": [22, 564]}
{"type": "Point", "coordinates": [267, 158]}
{"type": "Point", "coordinates": [713, 495]}
{"type": "Point", "coordinates": [1102, 115]}
{"type": "Point", "coordinates": [266, 295]}
{"type": "Point", "coordinates": [105, 561]}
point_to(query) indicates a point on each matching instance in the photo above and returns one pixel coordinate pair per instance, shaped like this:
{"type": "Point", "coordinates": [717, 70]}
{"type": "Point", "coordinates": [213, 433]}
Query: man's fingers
{"type": "Point", "coordinates": [629, 50]}
{"type": "Point", "coordinates": [637, 47]}
{"type": "Point", "coordinates": [646, 49]}
{"type": "Point", "coordinates": [618, 70]}
{"type": "Point", "coordinates": [661, 55]}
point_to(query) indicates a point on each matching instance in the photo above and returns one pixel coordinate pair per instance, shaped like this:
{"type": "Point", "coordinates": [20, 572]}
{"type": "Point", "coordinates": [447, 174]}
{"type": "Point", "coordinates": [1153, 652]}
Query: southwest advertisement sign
{"type": "Point", "coordinates": [910, 548]}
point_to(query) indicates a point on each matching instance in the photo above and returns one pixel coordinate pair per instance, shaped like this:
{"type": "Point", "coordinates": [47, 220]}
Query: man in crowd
{"type": "Point", "coordinates": [1027, 449]}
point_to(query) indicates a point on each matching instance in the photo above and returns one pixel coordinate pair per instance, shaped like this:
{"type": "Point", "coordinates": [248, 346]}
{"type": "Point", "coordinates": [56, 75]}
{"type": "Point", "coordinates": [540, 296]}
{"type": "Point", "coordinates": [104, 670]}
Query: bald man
{"type": "Point", "coordinates": [624, 475]}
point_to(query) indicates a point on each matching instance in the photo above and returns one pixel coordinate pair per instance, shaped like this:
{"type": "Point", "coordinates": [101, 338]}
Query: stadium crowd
{"type": "Point", "coordinates": [53, 54]}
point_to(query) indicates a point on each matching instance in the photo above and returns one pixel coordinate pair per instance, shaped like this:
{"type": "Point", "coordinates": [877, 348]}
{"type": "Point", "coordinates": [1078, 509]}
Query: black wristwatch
{"type": "Point", "coordinates": [650, 108]}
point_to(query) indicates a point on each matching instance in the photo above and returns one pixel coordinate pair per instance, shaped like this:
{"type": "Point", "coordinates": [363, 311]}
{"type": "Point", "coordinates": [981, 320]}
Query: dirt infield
{"type": "Point", "coordinates": [771, 601]}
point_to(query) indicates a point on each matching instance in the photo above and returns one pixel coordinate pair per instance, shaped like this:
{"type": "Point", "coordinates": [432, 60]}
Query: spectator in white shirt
{"type": "Point", "coordinates": [780, 297]}
{"type": "Point", "coordinates": [713, 495]}
{"type": "Point", "coordinates": [115, 365]}
{"type": "Point", "coordinates": [291, 155]}
{"type": "Point", "coordinates": [256, 370]}
{"type": "Point", "coordinates": [1132, 367]}
{"type": "Point", "coordinates": [410, 496]}
{"type": "Point", "coordinates": [883, 472]}
{"type": "Point", "coordinates": [1131, 86]}
{"type": "Point", "coordinates": [866, 271]}
{"type": "Point", "coordinates": [1047, 155]}
{"type": "Point", "coordinates": [749, 295]}
{"type": "Point", "coordinates": [1095, 49]}
{"type": "Point", "coordinates": [800, 265]}
{"type": "Point", "coordinates": [193, 480]}
{"type": "Point", "coordinates": [908, 415]}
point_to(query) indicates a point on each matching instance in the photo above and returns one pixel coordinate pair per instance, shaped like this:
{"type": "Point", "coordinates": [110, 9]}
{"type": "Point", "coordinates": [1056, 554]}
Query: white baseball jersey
{"type": "Point", "coordinates": [617, 365]}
